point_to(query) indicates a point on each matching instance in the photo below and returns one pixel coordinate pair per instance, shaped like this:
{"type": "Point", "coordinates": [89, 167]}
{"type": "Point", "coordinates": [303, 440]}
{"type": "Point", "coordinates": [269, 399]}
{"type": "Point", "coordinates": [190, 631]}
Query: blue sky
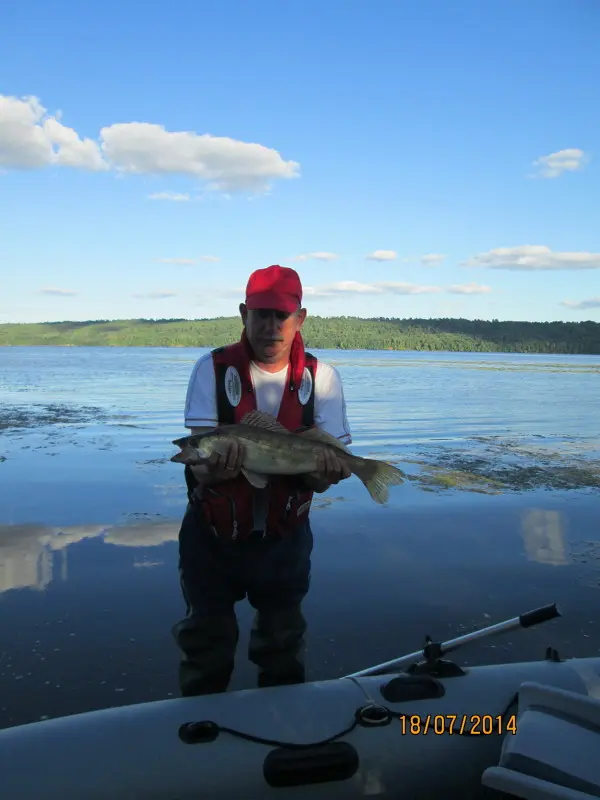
{"type": "Point", "coordinates": [346, 139]}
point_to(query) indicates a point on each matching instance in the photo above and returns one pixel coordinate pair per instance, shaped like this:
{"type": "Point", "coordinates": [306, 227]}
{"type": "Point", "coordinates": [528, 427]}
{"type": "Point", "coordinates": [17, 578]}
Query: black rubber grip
{"type": "Point", "coordinates": [543, 614]}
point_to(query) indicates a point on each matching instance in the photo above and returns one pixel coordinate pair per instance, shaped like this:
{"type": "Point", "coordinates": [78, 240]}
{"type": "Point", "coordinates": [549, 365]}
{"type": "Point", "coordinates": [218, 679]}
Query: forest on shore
{"type": "Point", "coordinates": [344, 333]}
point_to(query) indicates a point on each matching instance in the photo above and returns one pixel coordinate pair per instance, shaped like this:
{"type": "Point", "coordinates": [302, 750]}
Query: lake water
{"type": "Point", "coordinates": [501, 514]}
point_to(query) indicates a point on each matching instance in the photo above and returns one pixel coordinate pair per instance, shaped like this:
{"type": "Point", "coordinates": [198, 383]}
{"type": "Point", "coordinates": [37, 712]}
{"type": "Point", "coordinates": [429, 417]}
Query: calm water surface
{"type": "Point", "coordinates": [90, 508]}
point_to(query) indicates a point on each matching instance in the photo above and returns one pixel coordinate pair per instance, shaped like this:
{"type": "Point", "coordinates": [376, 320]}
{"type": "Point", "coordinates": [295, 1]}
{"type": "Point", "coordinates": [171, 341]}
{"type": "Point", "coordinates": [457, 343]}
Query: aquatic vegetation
{"type": "Point", "coordinates": [432, 478]}
{"type": "Point", "coordinates": [504, 466]}
{"type": "Point", "coordinates": [39, 415]}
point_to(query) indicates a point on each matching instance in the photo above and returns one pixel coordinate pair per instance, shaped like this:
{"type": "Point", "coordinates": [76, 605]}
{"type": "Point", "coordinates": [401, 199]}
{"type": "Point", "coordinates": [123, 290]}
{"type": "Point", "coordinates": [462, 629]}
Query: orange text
{"type": "Point", "coordinates": [471, 724]}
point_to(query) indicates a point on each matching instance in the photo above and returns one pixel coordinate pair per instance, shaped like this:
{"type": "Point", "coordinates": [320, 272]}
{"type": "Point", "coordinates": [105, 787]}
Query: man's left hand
{"type": "Point", "coordinates": [330, 468]}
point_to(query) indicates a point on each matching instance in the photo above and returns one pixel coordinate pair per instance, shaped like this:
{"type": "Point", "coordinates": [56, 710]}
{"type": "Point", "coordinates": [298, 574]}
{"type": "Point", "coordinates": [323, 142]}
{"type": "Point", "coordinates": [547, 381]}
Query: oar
{"type": "Point", "coordinates": [535, 617]}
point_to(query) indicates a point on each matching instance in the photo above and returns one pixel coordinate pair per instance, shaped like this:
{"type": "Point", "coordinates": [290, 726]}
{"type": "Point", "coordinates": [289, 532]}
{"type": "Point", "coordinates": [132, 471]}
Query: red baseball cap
{"type": "Point", "coordinates": [274, 287]}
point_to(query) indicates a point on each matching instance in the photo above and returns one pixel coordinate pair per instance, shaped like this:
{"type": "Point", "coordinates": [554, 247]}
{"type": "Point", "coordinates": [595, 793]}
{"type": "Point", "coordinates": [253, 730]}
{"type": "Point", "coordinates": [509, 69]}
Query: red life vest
{"type": "Point", "coordinates": [234, 508]}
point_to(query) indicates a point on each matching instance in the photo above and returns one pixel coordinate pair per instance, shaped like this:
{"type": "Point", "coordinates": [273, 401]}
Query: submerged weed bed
{"type": "Point", "coordinates": [493, 466]}
{"type": "Point", "coordinates": [38, 415]}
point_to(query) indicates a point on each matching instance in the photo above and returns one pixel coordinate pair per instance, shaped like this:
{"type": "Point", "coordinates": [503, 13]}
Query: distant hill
{"type": "Point", "coordinates": [345, 333]}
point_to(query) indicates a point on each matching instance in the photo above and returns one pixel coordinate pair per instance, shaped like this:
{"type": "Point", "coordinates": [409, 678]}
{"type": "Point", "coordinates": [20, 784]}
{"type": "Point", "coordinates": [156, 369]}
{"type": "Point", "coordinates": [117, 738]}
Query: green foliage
{"type": "Point", "coordinates": [344, 333]}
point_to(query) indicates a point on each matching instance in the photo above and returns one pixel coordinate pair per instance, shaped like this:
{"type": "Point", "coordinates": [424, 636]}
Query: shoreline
{"type": "Point", "coordinates": [322, 333]}
{"type": "Point", "coordinates": [511, 353]}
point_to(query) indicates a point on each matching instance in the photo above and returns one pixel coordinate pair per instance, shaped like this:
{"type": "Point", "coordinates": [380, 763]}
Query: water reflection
{"type": "Point", "coordinates": [543, 532]}
{"type": "Point", "coordinates": [32, 556]}
{"type": "Point", "coordinates": [25, 562]}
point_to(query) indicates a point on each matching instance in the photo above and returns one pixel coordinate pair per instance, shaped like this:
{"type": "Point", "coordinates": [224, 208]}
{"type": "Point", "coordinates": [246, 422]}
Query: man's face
{"type": "Point", "coordinates": [271, 333]}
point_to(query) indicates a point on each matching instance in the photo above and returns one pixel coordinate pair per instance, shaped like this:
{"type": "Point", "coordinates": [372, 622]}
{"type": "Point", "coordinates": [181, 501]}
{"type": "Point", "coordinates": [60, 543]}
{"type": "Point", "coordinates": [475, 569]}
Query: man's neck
{"type": "Point", "coordinates": [272, 367]}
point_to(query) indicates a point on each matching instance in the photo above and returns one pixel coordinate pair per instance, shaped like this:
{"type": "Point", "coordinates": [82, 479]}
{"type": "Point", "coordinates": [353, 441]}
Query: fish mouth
{"type": "Point", "coordinates": [187, 456]}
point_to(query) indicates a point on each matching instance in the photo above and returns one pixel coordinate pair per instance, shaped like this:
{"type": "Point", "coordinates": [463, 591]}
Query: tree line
{"type": "Point", "coordinates": [343, 333]}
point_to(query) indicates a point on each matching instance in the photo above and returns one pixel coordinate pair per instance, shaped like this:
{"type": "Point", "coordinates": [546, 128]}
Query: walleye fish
{"type": "Point", "coordinates": [271, 449]}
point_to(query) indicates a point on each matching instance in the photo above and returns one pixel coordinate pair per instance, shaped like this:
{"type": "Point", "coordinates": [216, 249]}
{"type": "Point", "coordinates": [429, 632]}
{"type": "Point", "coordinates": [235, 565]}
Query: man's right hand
{"type": "Point", "coordinates": [221, 466]}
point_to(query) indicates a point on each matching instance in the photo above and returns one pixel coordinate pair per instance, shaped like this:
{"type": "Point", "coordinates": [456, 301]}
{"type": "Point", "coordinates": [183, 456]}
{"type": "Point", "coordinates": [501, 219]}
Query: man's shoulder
{"type": "Point", "coordinates": [232, 347]}
{"type": "Point", "coordinates": [330, 403]}
{"type": "Point", "coordinates": [327, 379]}
{"type": "Point", "coordinates": [203, 360]}
{"type": "Point", "coordinates": [326, 370]}
{"type": "Point", "coordinates": [203, 369]}
{"type": "Point", "coordinates": [215, 351]}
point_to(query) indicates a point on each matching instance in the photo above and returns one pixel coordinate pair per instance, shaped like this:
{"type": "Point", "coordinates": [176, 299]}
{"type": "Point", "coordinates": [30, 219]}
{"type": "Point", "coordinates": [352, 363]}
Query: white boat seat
{"type": "Point", "coordinates": [555, 752]}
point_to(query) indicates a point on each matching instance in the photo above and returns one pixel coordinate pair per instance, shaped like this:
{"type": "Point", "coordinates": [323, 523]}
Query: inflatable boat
{"type": "Point", "coordinates": [417, 727]}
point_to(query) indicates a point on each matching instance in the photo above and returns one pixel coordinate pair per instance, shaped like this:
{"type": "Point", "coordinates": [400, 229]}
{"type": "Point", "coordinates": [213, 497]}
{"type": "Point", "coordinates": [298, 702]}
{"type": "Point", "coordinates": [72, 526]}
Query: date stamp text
{"type": "Point", "coordinates": [461, 724]}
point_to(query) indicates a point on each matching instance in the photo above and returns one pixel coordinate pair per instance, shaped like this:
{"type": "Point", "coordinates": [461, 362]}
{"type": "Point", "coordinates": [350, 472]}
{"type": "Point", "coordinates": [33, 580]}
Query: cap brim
{"type": "Point", "coordinates": [274, 301]}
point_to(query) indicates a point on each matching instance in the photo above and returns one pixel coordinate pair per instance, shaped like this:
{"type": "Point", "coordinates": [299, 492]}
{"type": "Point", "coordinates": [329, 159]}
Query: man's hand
{"type": "Point", "coordinates": [221, 466]}
{"type": "Point", "coordinates": [330, 470]}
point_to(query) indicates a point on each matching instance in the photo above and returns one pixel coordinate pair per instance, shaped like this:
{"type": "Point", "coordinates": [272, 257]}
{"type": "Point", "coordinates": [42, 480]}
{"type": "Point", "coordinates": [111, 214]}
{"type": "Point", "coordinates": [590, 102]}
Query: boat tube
{"type": "Point", "coordinates": [417, 727]}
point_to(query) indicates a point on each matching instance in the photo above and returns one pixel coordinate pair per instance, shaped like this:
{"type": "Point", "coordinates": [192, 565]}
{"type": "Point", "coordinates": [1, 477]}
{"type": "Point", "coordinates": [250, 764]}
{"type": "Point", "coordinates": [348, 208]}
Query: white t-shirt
{"type": "Point", "coordinates": [330, 405]}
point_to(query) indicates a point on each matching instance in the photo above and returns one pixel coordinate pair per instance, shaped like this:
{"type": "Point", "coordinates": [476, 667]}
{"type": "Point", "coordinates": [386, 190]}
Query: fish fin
{"type": "Point", "coordinates": [324, 438]}
{"type": "Point", "coordinates": [255, 478]}
{"type": "Point", "coordinates": [260, 419]}
{"type": "Point", "coordinates": [377, 476]}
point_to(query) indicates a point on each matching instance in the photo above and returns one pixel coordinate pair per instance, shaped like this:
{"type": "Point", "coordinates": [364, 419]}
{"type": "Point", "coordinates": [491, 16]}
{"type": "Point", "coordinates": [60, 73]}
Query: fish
{"type": "Point", "coordinates": [271, 449]}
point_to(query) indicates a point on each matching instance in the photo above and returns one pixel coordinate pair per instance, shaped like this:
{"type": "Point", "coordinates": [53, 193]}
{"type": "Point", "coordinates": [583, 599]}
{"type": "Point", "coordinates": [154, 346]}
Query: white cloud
{"type": "Point", "coordinates": [555, 164]}
{"type": "Point", "coordinates": [210, 258]}
{"type": "Point", "coordinates": [356, 289]}
{"type": "Point", "coordinates": [344, 288]}
{"type": "Point", "coordinates": [160, 295]}
{"type": "Point", "coordinates": [428, 260]}
{"type": "Point", "coordinates": [382, 255]}
{"type": "Point", "coordinates": [432, 258]}
{"type": "Point", "coordinates": [533, 257]}
{"type": "Point", "coordinates": [226, 164]}
{"type": "Point", "coordinates": [58, 292]}
{"type": "Point", "coordinates": [592, 302]}
{"type": "Point", "coordinates": [29, 139]}
{"type": "Point", "coordinates": [32, 139]}
{"type": "Point", "coordinates": [176, 260]}
{"type": "Point", "coordinates": [173, 196]}
{"type": "Point", "coordinates": [341, 289]}
{"type": "Point", "coordinates": [320, 256]}
{"type": "Point", "coordinates": [469, 288]}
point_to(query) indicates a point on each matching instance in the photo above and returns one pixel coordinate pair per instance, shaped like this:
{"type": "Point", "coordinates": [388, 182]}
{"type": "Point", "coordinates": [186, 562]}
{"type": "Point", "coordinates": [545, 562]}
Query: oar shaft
{"type": "Point", "coordinates": [539, 615]}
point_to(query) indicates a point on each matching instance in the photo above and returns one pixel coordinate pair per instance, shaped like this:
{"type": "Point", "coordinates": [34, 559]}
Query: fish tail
{"type": "Point", "coordinates": [377, 476]}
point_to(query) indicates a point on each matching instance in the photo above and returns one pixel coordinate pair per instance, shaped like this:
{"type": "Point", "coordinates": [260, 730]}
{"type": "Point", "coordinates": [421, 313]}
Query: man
{"type": "Point", "coordinates": [236, 540]}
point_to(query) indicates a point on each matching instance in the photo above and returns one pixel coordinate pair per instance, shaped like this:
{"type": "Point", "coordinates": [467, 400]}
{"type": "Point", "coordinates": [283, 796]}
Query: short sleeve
{"type": "Point", "coordinates": [330, 403]}
{"type": "Point", "coordinates": [201, 398]}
